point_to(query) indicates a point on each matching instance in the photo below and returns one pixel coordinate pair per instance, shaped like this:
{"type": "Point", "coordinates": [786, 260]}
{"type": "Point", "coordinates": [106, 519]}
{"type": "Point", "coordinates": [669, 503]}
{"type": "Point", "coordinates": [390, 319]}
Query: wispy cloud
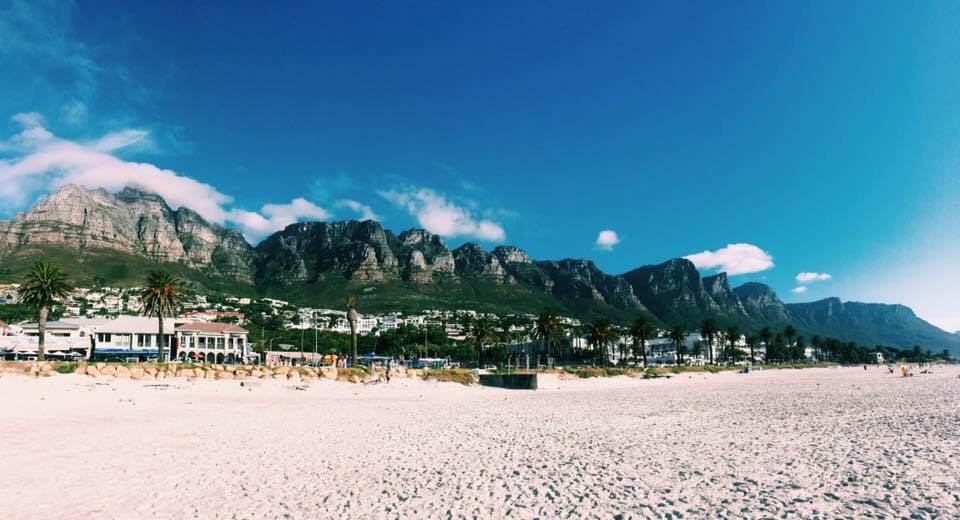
{"type": "Point", "coordinates": [40, 162]}
{"type": "Point", "coordinates": [363, 211]}
{"type": "Point", "coordinates": [807, 277]}
{"type": "Point", "coordinates": [799, 289]}
{"type": "Point", "coordinates": [438, 214]}
{"type": "Point", "coordinates": [734, 259]}
{"type": "Point", "coordinates": [607, 239]}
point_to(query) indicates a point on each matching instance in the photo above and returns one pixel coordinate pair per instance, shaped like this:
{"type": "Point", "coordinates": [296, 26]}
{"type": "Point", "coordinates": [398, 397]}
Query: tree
{"type": "Point", "coordinates": [43, 285]}
{"type": "Point", "coordinates": [765, 335]}
{"type": "Point", "coordinates": [546, 327]}
{"type": "Point", "coordinates": [161, 296]}
{"type": "Point", "coordinates": [753, 342]}
{"type": "Point", "coordinates": [353, 317]}
{"type": "Point", "coordinates": [708, 329]}
{"type": "Point", "coordinates": [678, 336]}
{"type": "Point", "coordinates": [480, 330]}
{"type": "Point", "coordinates": [733, 336]}
{"type": "Point", "coordinates": [789, 333]}
{"type": "Point", "coordinates": [640, 331]}
{"type": "Point", "coordinates": [600, 335]}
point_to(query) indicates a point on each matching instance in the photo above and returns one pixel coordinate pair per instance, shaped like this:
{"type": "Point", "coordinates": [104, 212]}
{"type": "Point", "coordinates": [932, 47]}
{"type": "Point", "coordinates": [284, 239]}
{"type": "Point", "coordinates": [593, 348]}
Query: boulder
{"type": "Point", "coordinates": [81, 369]}
{"type": "Point", "coordinates": [161, 375]}
{"type": "Point", "coordinates": [107, 370]}
{"type": "Point", "coordinates": [328, 372]}
{"type": "Point", "coordinates": [279, 376]}
{"type": "Point", "coordinates": [255, 373]}
{"type": "Point", "coordinates": [309, 380]}
{"type": "Point", "coordinates": [210, 374]}
{"type": "Point", "coordinates": [223, 374]}
{"type": "Point", "coordinates": [93, 372]}
{"type": "Point", "coordinates": [152, 370]}
{"type": "Point", "coordinates": [184, 372]}
{"type": "Point", "coordinates": [137, 373]}
{"type": "Point", "coordinates": [100, 366]}
{"type": "Point", "coordinates": [281, 370]}
{"type": "Point", "coordinates": [293, 375]}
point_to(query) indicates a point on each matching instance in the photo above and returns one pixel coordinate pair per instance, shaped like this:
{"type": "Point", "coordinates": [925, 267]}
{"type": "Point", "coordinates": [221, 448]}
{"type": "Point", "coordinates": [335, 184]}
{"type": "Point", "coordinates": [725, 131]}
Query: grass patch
{"type": "Point", "coordinates": [588, 372]}
{"type": "Point", "coordinates": [453, 375]}
{"type": "Point", "coordinates": [65, 368]}
{"type": "Point", "coordinates": [351, 374]}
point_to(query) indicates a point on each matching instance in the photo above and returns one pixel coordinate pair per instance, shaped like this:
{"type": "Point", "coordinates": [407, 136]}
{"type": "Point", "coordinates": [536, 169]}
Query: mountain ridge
{"type": "Point", "coordinates": [321, 262]}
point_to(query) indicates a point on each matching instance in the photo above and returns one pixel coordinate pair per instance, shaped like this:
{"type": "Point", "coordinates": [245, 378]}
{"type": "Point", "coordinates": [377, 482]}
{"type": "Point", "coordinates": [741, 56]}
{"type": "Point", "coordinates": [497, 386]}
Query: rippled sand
{"type": "Point", "coordinates": [809, 443]}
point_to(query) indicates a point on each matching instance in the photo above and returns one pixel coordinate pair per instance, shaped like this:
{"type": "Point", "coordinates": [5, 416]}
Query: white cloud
{"type": "Point", "coordinates": [734, 259]}
{"type": "Point", "coordinates": [74, 113]}
{"type": "Point", "coordinates": [799, 289]}
{"type": "Point", "coordinates": [806, 277]}
{"type": "Point", "coordinates": [43, 162]}
{"type": "Point", "coordinates": [439, 215]}
{"type": "Point", "coordinates": [364, 211]}
{"type": "Point", "coordinates": [607, 239]}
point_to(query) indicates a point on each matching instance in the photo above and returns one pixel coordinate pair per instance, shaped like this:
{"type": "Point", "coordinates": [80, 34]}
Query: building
{"type": "Point", "coordinates": [212, 342]}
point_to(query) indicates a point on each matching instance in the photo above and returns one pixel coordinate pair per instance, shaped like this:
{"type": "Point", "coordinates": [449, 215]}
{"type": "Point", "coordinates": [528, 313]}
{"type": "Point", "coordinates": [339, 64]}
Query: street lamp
{"type": "Point", "coordinates": [270, 347]}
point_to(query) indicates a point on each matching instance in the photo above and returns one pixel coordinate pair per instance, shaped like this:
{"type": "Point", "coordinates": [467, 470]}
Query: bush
{"type": "Point", "coordinates": [453, 375]}
{"type": "Point", "coordinates": [351, 374]}
{"type": "Point", "coordinates": [651, 373]}
{"type": "Point", "coordinates": [66, 368]}
{"type": "Point", "coordinates": [712, 369]}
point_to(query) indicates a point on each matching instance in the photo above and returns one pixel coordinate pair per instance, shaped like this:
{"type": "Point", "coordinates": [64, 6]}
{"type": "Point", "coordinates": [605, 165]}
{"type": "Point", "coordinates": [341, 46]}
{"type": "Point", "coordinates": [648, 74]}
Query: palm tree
{"type": "Point", "coordinates": [640, 331]}
{"type": "Point", "coordinates": [600, 335]}
{"type": "Point", "coordinates": [733, 336]}
{"type": "Point", "coordinates": [753, 342]}
{"type": "Point", "coordinates": [678, 336]}
{"type": "Point", "coordinates": [43, 285]}
{"type": "Point", "coordinates": [789, 332]}
{"type": "Point", "coordinates": [546, 326]}
{"type": "Point", "coordinates": [765, 335]}
{"type": "Point", "coordinates": [817, 343]}
{"type": "Point", "coordinates": [708, 329]}
{"type": "Point", "coordinates": [160, 296]}
{"type": "Point", "coordinates": [480, 330]}
{"type": "Point", "coordinates": [352, 316]}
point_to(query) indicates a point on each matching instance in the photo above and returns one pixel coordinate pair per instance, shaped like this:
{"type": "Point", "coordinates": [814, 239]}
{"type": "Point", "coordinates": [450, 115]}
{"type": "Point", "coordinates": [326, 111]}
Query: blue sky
{"type": "Point", "coordinates": [823, 136]}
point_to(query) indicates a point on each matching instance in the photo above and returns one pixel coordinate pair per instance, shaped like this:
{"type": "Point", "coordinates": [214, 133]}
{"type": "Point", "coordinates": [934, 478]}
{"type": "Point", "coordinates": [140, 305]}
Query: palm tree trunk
{"type": "Point", "coordinates": [42, 328]}
{"type": "Point", "coordinates": [643, 352]}
{"type": "Point", "coordinates": [160, 344]}
{"type": "Point", "coordinates": [353, 343]}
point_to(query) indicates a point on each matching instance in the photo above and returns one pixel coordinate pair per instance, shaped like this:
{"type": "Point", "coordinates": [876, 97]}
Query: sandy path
{"type": "Point", "coordinates": [810, 443]}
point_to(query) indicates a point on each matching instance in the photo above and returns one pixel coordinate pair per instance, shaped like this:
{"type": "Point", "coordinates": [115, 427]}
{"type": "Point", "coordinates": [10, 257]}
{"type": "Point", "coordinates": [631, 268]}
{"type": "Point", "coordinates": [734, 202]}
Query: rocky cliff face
{"type": "Point", "coordinates": [472, 261]}
{"type": "Point", "coordinates": [581, 279]}
{"type": "Point", "coordinates": [762, 304]}
{"type": "Point", "coordinates": [134, 222]}
{"type": "Point", "coordinates": [870, 324]}
{"type": "Point", "coordinates": [675, 292]}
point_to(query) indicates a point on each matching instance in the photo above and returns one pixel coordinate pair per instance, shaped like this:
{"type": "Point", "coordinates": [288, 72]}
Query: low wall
{"type": "Point", "coordinates": [521, 381]}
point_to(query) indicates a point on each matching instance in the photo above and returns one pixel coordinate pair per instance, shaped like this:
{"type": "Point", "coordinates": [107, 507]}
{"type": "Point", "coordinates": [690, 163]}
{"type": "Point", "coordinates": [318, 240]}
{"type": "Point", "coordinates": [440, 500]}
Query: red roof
{"type": "Point", "coordinates": [214, 328]}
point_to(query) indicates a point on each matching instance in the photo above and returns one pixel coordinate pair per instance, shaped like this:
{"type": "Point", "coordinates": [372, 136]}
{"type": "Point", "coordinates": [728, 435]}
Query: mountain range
{"type": "Point", "coordinates": [105, 238]}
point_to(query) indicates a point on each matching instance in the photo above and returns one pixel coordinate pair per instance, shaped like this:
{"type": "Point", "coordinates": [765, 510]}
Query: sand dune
{"type": "Point", "coordinates": [809, 443]}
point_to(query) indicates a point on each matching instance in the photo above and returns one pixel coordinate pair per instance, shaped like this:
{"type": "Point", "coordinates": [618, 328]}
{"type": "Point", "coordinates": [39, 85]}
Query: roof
{"type": "Point", "coordinates": [125, 324]}
{"type": "Point", "coordinates": [56, 324]}
{"type": "Point", "coordinates": [213, 328]}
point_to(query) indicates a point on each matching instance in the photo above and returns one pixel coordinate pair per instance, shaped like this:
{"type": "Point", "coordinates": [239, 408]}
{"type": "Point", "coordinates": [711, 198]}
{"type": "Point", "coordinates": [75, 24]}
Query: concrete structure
{"type": "Point", "coordinates": [212, 342]}
{"type": "Point", "coordinates": [521, 381]}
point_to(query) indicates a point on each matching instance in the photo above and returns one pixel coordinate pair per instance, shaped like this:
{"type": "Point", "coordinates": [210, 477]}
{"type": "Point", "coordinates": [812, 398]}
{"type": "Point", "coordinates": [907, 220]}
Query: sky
{"type": "Point", "coordinates": [811, 146]}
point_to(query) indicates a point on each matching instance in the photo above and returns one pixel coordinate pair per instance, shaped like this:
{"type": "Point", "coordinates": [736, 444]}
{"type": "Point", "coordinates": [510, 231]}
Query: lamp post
{"type": "Point", "coordinates": [269, 348]}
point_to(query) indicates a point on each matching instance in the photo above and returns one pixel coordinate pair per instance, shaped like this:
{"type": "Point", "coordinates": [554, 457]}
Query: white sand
{"type": "Point", "coordinates": [810, 443]}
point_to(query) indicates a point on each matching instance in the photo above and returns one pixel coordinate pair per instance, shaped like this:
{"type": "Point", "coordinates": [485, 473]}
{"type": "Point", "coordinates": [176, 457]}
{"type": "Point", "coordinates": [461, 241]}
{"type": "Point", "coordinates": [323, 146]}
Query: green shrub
{"type": "Point", "coordinates": [651, 373]}
{"type": "Point", "coordinates": [65, 368]}
{"type": "Point", "coordinates": [453, 375]}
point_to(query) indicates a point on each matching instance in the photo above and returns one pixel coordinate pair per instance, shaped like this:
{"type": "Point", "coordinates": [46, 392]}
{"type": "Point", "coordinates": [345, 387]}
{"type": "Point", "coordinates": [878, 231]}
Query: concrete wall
{"type": "Point", "coordinates": [521, 381]}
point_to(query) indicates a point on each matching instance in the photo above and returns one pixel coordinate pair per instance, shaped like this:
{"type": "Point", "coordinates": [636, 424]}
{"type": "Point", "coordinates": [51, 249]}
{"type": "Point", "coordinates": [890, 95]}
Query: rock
{"type": "Point", "coordinates": [251, 384]}
{"type": "Point", "coordinates": [93, 372]}
{"type": "Point", "coordinates": [122, 372]}
{"type": "Point", "coordinates": [210, 374]}
{"type": "Point", "coordinates": [137, 373]}
{"type": "Point", "coordinates": [309, 380]}
{"type": "Point", "coordinates": [108, 370]}
{"type": "Point", "coordinates": [223, 374]}
{"type": "Point", "coordinates": [101, 366]}
{"type": "Point", "coordinates": [293, 375]}
{"type": "Point", "coordinates": [81, 369]}
{"type": "Point", "coordinates": [255, 373]}
{"type": "Point", "coordinates": [240, 376]}
{"type": "Point", "coordinates": [161, 375]}
{"type": "Point", "coordinates": [328, 372]}
{"type": "Point", "coordinates": [185, 372]}
{"type": "Point", "coordinates": [151, 370]}
{"type": "Point", "coordinates": [281, 370]}
{"type": "Point", "coordinates": [279, 376]}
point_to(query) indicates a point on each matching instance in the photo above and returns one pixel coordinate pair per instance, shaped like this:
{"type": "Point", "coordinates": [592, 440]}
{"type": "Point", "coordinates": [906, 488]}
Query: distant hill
{"type": "Point", "coordinates": [104, 238]}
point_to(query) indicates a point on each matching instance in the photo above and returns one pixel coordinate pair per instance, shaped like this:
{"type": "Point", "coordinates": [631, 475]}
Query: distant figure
{"type": "Point", "coordinates": [388, 374]}
{"type": "Point", "coordinates": [864, 367]}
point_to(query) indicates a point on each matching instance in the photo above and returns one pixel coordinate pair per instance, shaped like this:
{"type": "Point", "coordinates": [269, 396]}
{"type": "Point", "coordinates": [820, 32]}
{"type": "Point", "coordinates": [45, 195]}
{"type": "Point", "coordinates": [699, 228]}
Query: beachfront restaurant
{"type": "Point", "coordinates": [211, 342]}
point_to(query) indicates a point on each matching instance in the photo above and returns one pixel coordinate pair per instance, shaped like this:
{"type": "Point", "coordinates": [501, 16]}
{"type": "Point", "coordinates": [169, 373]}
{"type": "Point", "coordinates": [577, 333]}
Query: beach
{"type": "Point", "coordinates": [812, 443]}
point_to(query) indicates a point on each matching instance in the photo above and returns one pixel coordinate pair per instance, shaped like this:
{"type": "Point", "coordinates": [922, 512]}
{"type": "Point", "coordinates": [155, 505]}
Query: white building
{"type": "Point", "coordinates": [211, 342]}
